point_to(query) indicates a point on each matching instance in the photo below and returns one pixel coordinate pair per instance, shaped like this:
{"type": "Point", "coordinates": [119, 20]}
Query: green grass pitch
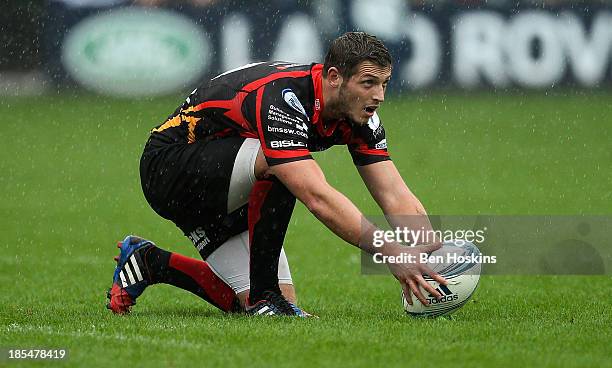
{"type": "Point", "coordinates": [69, 189]}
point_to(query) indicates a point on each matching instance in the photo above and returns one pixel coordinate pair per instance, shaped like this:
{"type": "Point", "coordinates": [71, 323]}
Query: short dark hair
{"type": "Point", "coordinates": [351, 49]}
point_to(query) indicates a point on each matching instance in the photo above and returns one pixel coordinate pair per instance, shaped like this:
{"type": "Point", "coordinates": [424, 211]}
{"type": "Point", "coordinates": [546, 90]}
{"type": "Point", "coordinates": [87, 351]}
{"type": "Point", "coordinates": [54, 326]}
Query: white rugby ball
{"type": "Point", "coordinates": [462, 274]}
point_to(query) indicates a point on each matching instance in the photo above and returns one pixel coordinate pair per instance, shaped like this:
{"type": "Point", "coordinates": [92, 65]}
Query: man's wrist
{"type": "Point", "coordinates": [389, 249]}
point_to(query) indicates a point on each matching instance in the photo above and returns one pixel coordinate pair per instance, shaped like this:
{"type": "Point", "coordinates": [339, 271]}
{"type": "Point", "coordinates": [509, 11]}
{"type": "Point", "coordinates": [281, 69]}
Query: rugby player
{"type": "Point", "coordinates": [227, 166]}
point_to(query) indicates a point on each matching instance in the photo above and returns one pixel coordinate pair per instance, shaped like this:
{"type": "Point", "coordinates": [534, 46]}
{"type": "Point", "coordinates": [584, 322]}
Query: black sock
{"type": "Point", "coordinates": [189, 274]}
{"type": "Point", "coordinates": [270, 207]}
{"type": "Point", "coordinates": [156, 261]}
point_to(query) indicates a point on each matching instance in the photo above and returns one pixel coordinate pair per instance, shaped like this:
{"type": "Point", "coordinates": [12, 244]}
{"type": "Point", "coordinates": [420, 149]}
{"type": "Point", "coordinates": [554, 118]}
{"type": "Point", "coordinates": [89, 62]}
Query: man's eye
{"type": "Point", "coordinates": [368, 82]}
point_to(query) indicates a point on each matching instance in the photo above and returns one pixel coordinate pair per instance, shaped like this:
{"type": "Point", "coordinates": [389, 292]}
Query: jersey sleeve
{"type": "Point", "coordinates": [368, 143]}
{"type": "Point", "coordinates": [282, 125]}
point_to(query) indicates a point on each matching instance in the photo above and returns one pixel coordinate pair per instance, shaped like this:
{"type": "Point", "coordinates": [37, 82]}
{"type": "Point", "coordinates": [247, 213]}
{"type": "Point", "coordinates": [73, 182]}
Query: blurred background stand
{"type": "Point", "coordinates": [456, 44]}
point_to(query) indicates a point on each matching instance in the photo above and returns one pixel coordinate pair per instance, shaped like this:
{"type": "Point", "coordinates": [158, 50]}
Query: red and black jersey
{"type": "Point", "coordinates": [276, 102]}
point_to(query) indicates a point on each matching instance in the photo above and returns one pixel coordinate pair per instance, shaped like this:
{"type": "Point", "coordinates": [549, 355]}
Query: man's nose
{"type": "Point", "coordinates": [379, 94]}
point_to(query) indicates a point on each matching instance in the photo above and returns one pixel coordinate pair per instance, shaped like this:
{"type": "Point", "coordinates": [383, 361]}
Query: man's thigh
{"type": "Point", "coordinates": [189, 185]}
{"type": "Point", "coordinates": [205, 190]}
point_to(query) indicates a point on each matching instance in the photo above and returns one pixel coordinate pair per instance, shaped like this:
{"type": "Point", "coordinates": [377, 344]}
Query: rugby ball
{"type": "Point", "coordinates": [457, 261]}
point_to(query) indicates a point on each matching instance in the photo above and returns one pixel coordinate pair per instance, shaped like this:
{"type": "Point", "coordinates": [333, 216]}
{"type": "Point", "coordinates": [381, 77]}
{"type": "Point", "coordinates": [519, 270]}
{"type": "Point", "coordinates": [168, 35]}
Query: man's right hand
{"type": "Point", "coordinates": [410, 274]}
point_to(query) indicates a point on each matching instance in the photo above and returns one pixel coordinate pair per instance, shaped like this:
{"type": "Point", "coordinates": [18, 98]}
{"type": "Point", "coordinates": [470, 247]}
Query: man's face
{"type": "Point", "coordinates": [364, 91]}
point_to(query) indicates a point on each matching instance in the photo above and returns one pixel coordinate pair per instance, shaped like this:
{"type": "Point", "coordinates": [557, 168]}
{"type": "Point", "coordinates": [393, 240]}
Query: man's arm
{"type": "Point", "coordinates": [401, 207]}
{"type": "Point", "coordinates": [306, 181]}
{"type": "Point", "coordinates": [389, 189]}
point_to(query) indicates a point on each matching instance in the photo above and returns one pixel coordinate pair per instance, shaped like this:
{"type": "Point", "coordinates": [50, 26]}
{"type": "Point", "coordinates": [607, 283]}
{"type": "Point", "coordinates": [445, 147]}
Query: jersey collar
{"type": "Point", "coordinates": [317, 82]}
{"type": "Point", "coordinates": [324, 129]}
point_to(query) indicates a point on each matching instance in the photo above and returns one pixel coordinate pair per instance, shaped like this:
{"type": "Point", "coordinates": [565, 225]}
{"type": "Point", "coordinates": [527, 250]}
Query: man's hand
{"type": "Point", "coordinates": [410, 274]}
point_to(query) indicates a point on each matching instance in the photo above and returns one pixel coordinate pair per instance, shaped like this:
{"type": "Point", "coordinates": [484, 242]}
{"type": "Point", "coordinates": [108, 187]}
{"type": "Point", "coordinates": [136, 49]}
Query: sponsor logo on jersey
{"type": "Point", "coordinates": [292, 100]}
{"type": "Point", "coordinates": [303, 127]}
{"type": "Point", "coordinates": [382, 144]}
{"type": "Point", "coordinates": [276, 114]}
{"type": "Point", "coordinates": [274, 129]}
{"type": "Point", "coordinates": [286, 144]}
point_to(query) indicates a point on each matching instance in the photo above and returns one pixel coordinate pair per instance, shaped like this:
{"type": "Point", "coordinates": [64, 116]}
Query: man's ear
{"type": "Point", "coordinates": [333, 77]}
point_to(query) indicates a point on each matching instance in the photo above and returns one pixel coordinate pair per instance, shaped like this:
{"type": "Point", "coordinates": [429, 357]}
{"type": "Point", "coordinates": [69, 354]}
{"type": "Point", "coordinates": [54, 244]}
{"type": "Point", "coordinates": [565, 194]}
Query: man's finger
{"type": "Point", "coordinates": [428, 287]}
{"type": "Point", "coordinates": [430, 247]}
{"type": "Point", "coordinates": [407, 294]}
{"type": "Point", "coordinates": [417, 292]}
{"type": "Point", "coordinates": [434, 275]}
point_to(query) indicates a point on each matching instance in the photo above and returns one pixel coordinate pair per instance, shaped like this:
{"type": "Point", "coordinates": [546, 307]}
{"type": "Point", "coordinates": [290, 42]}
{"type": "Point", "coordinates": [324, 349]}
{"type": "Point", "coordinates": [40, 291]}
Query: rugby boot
{"type": "Point", "coordinates": [274, 304]}
{"type": "Point", "coordinates": [131, 276]}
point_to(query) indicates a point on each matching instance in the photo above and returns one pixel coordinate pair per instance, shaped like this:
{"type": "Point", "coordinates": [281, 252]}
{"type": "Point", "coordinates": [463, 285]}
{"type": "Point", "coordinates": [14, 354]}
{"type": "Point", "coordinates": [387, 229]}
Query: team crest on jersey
{"type": "Point", "coordinates": [374, 122]}
{"type": "Point", "coordinates": [292, 100]}
{"type": "Point", "coordinates": [382, 144]}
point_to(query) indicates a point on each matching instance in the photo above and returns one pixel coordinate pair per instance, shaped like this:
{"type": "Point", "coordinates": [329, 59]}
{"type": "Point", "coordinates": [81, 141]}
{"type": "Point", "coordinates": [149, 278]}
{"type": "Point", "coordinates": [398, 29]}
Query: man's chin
{"type": "Point", "coordinates": [361, 120]}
